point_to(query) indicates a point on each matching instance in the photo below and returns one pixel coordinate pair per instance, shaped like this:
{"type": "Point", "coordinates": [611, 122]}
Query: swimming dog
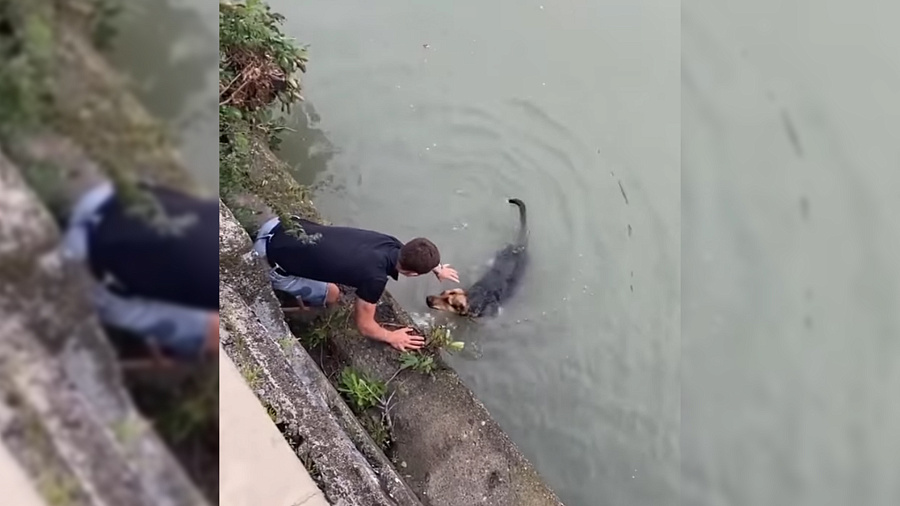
{"type": "Point", "coordinates": [496, 285]}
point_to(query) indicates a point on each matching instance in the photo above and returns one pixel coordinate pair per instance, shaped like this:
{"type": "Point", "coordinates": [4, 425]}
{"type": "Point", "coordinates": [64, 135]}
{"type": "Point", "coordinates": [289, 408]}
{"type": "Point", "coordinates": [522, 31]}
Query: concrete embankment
{"type": "Point", "coordinates": [257, 466]}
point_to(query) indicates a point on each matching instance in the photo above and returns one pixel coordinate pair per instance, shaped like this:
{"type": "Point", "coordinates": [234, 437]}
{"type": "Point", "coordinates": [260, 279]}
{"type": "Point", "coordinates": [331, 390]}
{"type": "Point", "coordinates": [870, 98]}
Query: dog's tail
{"type": "Point", "coordinates": [523, 222]}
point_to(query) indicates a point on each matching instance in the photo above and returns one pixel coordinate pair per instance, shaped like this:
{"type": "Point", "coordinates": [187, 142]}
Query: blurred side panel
{"type": "Point", "coordinates": [791, 189]}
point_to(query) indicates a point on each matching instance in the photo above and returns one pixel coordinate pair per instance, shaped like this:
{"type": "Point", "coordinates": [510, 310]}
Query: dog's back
{"type": "Point", "coordinates": [501, 280]}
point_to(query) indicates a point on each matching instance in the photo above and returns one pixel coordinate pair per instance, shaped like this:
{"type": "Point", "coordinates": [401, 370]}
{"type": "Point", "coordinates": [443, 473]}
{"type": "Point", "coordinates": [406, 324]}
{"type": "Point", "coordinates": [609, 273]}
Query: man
{"type": "Point", "coordinates": [310, 269]}
{"type": "Point", "coordinates": [157, 285]}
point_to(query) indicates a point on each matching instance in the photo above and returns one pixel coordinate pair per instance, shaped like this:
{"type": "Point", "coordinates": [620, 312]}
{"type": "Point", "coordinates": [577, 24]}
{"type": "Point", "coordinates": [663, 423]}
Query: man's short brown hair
{"type": "Point", "coordinates": [419, 255]}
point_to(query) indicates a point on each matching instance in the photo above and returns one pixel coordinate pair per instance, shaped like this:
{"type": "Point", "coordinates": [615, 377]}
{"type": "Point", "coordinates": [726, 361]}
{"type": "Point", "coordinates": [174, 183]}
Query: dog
{"type": "Point", "coordinates": [496, 285]}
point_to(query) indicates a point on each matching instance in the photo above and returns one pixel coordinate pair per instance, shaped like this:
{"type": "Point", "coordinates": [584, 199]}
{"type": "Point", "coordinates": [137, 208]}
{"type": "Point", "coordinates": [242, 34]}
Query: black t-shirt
{"type": "Point", "coordinates": [348, 256]}
{"type": "Point", "coordinates": [142, 261]}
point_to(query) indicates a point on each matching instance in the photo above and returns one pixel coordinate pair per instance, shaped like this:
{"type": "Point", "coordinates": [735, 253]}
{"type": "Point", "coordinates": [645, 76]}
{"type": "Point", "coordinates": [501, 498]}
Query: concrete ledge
{"type": "Point", "coordinates": [258, 466]}
{"type": "Point", "coordinates": [15, 483]}
{"type": "Point", "coordinates": [347, 464]}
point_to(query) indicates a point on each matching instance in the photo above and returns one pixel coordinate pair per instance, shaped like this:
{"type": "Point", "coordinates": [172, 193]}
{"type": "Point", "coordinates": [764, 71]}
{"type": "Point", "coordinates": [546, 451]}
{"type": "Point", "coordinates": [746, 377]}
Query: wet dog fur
{"type": "Point", "coordinates": [496, 285]}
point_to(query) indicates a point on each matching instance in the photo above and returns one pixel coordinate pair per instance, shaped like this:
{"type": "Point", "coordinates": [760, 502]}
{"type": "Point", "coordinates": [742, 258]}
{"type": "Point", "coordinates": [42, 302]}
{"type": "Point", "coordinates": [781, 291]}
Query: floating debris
{"type": "Point", "coordinates": [426, 46]}
{"type": "Point", "coordinates": [791, 132]}
{"type": "Point", "coordinates": [622, 188]}
{"type": "Point", "coordinates": [804, 208]}
{"type": "Point", "coordinates": [632, 288]}
{"type": "Point", "coordinates": [629, 225]}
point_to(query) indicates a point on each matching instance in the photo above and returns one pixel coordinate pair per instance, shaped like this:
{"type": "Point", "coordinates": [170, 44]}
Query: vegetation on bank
{"type": "Point", "coordinates": [258, 71]}
{"type": "Point", "coordinates": [31, 98]}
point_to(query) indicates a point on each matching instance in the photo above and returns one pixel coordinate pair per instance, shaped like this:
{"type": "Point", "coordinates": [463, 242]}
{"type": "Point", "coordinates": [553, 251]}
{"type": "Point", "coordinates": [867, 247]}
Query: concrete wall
{"type": "Point", "coordinates": [257, 465]}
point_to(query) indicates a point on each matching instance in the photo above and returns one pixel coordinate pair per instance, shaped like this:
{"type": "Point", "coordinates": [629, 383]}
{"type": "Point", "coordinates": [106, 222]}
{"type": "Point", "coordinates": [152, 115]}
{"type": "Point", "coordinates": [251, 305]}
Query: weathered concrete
{"type": "Point", "coordinates": [14, 483]}
{"type": "Point", "coordinates": [351, 469]}
{"type": "Point", "coordinates": [63, 412]}
{"type": "Point", "coordinates": [258, 466]}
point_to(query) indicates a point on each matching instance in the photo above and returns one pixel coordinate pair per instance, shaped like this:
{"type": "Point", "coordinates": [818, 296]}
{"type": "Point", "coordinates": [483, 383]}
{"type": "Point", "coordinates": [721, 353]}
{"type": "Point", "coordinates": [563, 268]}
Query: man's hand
{"type": "Point", "coordinates": [403, 339]}
{"type": "Point", "coordinates": [444, 273]}
{"type": "Point", "coordinates": [400, 339]}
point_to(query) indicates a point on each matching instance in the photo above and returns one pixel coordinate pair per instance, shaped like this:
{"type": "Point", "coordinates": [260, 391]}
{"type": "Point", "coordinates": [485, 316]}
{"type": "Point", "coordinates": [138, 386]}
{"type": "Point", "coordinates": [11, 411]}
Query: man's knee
{"type": "Point", "coordinates": [332, 295]}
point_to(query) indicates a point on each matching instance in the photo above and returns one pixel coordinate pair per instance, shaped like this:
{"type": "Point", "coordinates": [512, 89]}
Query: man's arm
{"type": "Point", "coordinates": [365, 321]}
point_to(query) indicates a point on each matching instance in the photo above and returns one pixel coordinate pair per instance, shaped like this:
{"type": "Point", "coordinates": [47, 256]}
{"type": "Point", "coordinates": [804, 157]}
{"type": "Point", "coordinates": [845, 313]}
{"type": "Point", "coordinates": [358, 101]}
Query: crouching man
{"type": "Point", "coordinates": [310, 270]}
{"type": "Point", "coordinates": [159, 284]}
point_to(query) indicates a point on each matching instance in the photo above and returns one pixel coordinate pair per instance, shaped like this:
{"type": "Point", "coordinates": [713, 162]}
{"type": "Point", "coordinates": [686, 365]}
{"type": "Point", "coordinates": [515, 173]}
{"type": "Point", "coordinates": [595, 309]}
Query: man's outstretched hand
{"type": "Point", "coordinates": [446, 273]}
{"type": "Point", "coordinates": [404, 339]}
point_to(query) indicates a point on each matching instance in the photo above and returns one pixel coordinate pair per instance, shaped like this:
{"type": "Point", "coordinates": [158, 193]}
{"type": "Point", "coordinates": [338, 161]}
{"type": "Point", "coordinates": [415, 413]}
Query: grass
{"type": "Point", "coordinates": [361, 391]}
{"type": "Point", "coordinates": [58, 490]}
{"type": "Point", "coordinates": [270, 410]}
{"type": "Point", "coordinates": [287, 343]}
{"type": "Point", "coordinates": [193, 413]}
{"type": "Point", "coordinates": [252, 375]}
{"type": "Point", "coordinates": [333, 320]}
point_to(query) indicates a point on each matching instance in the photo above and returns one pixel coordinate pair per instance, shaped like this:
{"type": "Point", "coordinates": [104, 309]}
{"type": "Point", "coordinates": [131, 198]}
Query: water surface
{"type": "Point", "coordinates": [168, 49]}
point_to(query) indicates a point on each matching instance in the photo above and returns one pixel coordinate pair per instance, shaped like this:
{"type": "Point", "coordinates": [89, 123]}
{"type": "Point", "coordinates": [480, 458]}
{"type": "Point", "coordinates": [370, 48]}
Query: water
{"type": "Point", "coordinates": [168, 49]}
{"type": "Point", "coordinates": [790, 284]}
{"type": "Point", "coordinates": [428, 115]}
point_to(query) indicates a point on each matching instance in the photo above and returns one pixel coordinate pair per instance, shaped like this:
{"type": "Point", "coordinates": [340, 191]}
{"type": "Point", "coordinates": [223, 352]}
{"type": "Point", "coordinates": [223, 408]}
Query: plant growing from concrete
{"type": "Point", "coordinates": [419, 362]}
{"type": "Point", "coordinates": [360, 390]}
{"type": "Point", "coordinates": [437, 338]}
{"type": "Point", "coordinates": [440, 337]}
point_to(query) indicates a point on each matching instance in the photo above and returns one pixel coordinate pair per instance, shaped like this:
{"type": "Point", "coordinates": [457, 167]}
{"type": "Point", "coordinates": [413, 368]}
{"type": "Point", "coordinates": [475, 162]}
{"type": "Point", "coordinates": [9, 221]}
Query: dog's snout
{"type": "Point", "coordinates": [429, 301]}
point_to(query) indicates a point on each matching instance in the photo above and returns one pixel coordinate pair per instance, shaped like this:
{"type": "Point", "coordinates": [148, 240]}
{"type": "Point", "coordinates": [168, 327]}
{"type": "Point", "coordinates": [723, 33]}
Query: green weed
{"type": "Point", "coordinates": [361, 391]}
{"type": "Point", "coordinates": [287, 343]}
{"type": "Point", "coordinates": [258, 67]}
{"type": "Point", "coordinates": [419, 362]}
{"type": "Point", "coordinates": [252, 375]}
{"type": "Point", "coordinates": [440, 337]}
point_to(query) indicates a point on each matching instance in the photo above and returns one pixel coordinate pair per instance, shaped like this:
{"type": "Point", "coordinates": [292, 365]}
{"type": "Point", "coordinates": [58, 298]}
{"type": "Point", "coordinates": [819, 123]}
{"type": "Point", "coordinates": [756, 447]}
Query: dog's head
{"type": "Point", "coordinates": [454, 301]}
